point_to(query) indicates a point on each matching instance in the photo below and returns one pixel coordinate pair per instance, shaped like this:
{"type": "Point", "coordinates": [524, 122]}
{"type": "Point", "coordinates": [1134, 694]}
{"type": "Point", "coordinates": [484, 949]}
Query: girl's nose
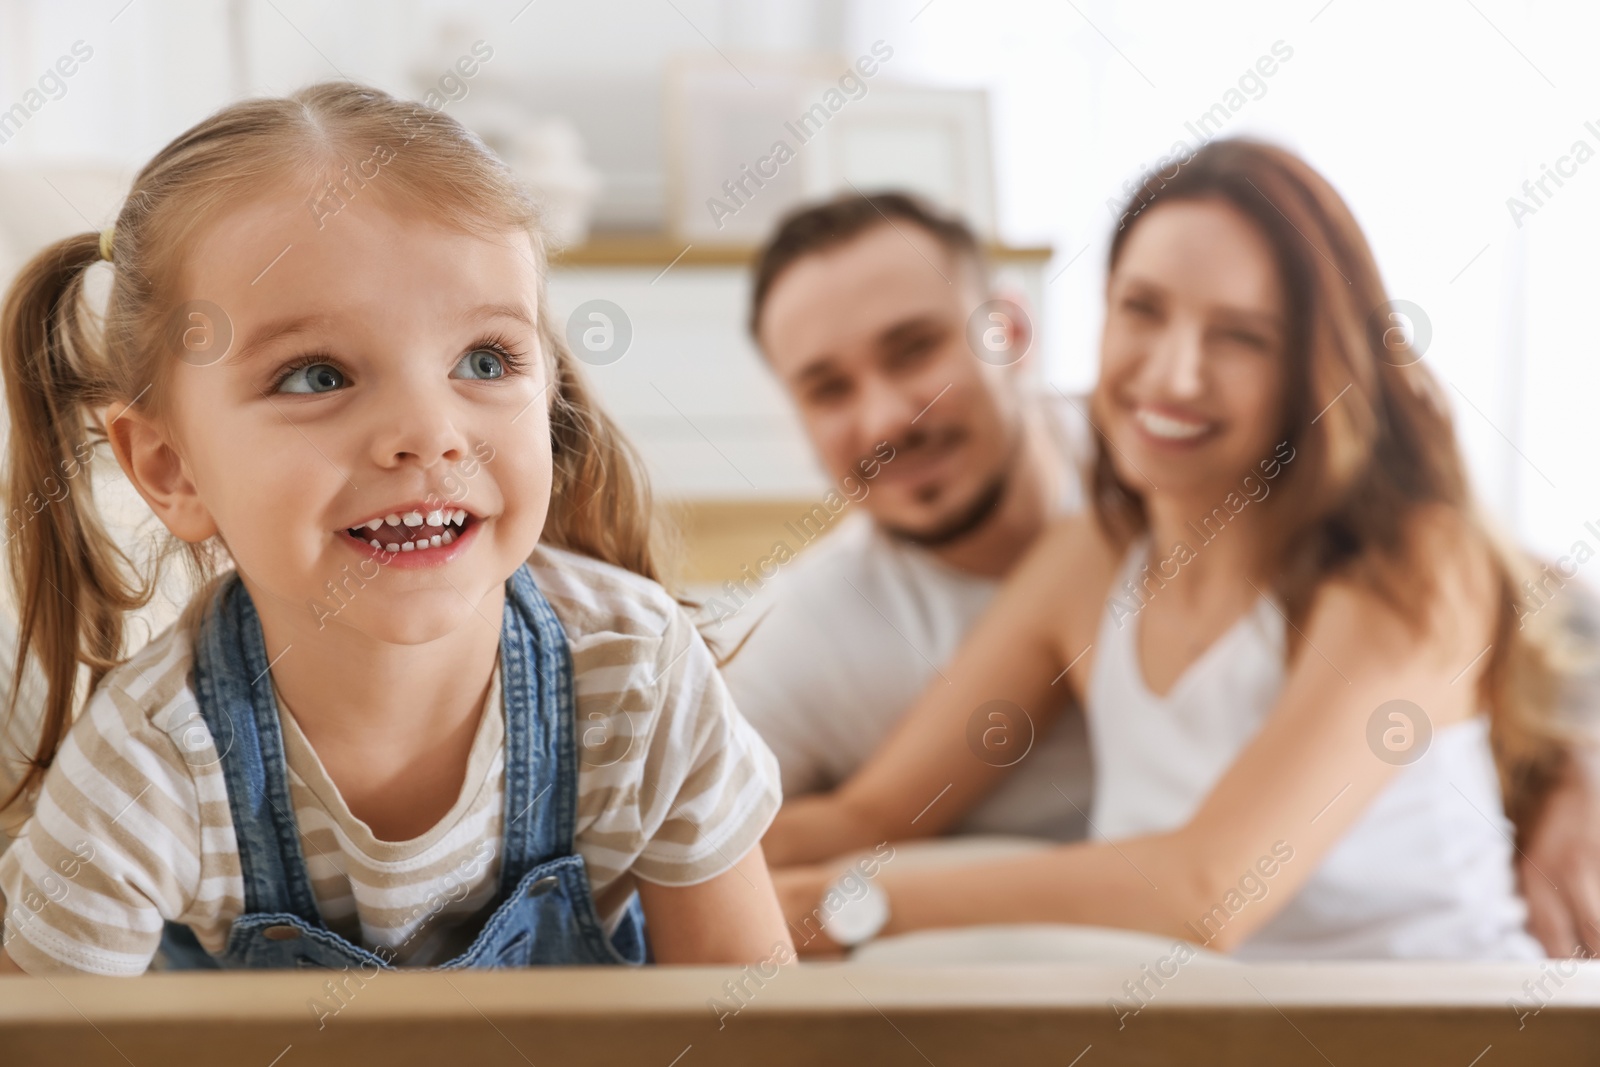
{"type": "Point", "coordinates": [416, 423]}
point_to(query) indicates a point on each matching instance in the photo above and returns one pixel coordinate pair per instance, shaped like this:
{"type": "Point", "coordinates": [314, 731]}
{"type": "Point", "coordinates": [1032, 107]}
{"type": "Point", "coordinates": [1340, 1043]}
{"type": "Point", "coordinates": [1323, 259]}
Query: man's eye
{"type": "Point", "coordinates": [483, 364]}
{"type": "Point", "coordinates": [316, 378]}
{"type": "Point", "coordinates": [914, 351]}
{"type": "Point", "coordinates": [827, 392]}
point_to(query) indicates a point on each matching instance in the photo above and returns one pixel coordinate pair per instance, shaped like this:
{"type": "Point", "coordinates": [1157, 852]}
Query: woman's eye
{"type": "Point", "coordinates": [1247, 339]}
{"type": "Point", "coordinates": [482, 364]}
{"type": "Point", "coordinates": [316, 378]}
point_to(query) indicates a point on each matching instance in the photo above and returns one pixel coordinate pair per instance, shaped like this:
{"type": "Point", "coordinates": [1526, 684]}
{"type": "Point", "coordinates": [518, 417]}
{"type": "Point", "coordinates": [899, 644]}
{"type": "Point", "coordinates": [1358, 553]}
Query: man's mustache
{"type": "Point", "coordinates": [919, 439]}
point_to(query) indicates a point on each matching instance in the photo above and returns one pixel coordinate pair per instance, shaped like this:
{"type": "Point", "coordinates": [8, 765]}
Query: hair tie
{"type": "Point", "coordinates": [106, 236]}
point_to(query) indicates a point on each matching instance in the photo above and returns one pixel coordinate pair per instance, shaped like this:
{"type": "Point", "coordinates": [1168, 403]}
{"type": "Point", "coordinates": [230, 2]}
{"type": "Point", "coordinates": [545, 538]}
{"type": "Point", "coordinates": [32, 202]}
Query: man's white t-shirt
{"type": "Point", "coordinates": [848, 635]}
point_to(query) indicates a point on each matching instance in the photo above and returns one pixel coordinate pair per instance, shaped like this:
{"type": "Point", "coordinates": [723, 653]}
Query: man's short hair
{"type": "Point", "coordinates": [809, 230]}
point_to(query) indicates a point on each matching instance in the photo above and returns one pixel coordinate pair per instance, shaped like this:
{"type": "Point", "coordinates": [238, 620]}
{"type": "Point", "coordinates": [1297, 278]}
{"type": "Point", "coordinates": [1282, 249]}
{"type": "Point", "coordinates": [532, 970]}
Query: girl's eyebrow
{"type": "Point", "coordinates": [274, 331]}
{"type": "Point", "coordinates": [494, 311]}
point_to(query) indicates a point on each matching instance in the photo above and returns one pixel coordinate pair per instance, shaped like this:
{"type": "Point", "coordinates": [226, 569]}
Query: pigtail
{"type": "Point", "coordinates": [601, 504]}
{"type": "Point", "coordinates": [69, 579]}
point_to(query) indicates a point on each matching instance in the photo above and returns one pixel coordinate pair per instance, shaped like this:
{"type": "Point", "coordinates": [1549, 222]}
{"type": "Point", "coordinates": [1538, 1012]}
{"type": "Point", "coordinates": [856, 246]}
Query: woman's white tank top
{"type": "Point", "coordinates": [1425, 872]}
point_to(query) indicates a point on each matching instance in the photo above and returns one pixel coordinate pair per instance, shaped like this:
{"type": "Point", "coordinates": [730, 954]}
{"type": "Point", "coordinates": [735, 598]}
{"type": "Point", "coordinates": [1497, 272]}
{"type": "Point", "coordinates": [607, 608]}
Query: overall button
{"type": "Point", "coordinates": [543, 885]}
{"type": "Point", "coordinates": [281, 933]}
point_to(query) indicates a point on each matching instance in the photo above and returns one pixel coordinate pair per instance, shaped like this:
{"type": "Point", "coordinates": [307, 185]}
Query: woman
{"type": "Point", "coordinates": [1294, 640]}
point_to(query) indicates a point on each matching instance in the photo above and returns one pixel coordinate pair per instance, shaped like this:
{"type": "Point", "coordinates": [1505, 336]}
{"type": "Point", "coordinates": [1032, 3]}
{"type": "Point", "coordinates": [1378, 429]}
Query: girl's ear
{"type": "Point", "coordinates": [156, 469]}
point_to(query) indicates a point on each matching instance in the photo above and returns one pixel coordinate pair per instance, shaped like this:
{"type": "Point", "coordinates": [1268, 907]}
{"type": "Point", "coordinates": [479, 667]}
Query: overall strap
{"type": "Point", "coordinates": [541, 783]}
{"type": "Point", "coordinates": [236, 700]}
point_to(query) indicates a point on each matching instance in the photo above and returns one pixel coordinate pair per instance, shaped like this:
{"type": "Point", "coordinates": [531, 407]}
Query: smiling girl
{"type": "Point", "coordinates": [434, 711]}
{"type": "Point", "coordinates": [1295, 727]}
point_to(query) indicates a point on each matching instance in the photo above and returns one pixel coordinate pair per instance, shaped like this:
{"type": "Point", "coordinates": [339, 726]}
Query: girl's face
{"type": "Point", "coordinates": [380, 368]}
{"type": "Point", "coordinates": [1193, 354]}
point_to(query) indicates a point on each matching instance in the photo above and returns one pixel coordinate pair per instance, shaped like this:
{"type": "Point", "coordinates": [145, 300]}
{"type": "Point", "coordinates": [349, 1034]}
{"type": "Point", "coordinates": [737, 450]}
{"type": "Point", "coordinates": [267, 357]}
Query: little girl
{"type": "Point", "coordinates": [437, 712]}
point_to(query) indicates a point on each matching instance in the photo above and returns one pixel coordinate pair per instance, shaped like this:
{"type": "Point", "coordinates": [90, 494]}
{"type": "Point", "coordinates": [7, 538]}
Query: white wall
{"type": "Point", "coordinates": [1426, 115]}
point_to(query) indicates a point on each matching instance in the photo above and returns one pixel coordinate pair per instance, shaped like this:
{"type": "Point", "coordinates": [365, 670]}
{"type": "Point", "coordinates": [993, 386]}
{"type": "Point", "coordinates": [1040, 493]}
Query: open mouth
{"type": "Point", "coordinates": [414, 530]}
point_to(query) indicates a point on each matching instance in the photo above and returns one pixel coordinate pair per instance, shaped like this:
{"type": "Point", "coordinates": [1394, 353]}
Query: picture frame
{"type": "Point", "coordinates": [930, 141]}
{"type": "Point", "coordinates": [750, 137]}
{"type": "Point", "coordinates": [723, 117]}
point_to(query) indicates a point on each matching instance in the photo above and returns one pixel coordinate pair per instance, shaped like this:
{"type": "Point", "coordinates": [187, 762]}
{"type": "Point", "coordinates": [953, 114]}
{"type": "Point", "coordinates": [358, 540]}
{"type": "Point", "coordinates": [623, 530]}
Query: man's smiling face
{"type": "Point", "coordinates": [385, 370]}
{"type": "Point", "coordinates": [870, 339]}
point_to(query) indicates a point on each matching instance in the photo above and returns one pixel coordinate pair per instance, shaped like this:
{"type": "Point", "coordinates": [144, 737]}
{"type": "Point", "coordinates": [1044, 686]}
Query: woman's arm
{"type": "Point", "coordinates": [1262, 831]}
{"type": "Point", "coordinates": [926, 774]}
{"type": "Point", "coordinates": [731, 918]}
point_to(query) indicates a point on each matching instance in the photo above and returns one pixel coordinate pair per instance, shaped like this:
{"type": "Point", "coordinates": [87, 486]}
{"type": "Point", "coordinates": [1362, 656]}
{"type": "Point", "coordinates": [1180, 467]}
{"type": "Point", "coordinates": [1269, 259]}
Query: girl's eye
{"type": "Point", "coordinates": [482, 364]}
{"type": "Point", "coordinates": [313, 378]}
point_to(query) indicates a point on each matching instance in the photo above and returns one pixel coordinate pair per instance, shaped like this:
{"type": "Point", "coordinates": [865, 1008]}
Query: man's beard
{"type": "Point", "coordinates": [972, 517]}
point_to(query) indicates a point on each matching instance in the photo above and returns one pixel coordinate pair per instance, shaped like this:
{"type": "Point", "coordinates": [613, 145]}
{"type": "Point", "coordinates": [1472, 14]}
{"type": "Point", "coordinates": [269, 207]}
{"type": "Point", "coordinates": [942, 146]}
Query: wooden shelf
{"type": "Point", "coordinates": [659, 249]}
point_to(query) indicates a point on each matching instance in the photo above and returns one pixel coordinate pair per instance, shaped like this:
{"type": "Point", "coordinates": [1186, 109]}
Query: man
{"type": "Point", "coordinates": [875, 314]}
{"type": "Point", "coordinates": [863, 308]}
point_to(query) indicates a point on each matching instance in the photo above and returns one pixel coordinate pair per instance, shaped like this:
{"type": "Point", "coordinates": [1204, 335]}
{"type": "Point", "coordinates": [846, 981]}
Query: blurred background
{"type": "Point", "coordinates": [1034, 119]}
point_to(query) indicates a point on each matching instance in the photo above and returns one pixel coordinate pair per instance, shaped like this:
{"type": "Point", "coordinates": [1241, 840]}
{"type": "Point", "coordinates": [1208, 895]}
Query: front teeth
{"type": "Point", "coordinates": [1172, 429]}
{"type": "Point", "coordinates": [410, 520]}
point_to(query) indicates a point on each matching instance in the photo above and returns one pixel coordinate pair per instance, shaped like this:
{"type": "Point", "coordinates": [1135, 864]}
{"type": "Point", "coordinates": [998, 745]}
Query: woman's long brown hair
{"type": "Point", "coordinates": [1363, 469]}
{"type": "Point", "coordinates": [64, 365]}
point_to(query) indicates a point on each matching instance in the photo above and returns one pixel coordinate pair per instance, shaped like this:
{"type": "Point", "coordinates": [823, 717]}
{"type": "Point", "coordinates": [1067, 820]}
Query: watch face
{"type": "Point", "coordinates": [859, 919]}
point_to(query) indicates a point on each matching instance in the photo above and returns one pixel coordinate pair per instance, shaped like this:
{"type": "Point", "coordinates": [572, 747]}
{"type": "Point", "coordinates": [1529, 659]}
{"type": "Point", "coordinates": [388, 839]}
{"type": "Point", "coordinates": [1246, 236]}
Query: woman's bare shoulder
{"type": "Point", "coordinates": [1074, 550]}
{"type": "Point", "coordinates": [1438, 600]}
{"type": "Point", "coordinates": [1067, 575]}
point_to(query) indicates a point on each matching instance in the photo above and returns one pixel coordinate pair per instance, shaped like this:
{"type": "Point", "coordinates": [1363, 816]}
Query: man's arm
{"type": "Point", "coordinates": [1560, 867]}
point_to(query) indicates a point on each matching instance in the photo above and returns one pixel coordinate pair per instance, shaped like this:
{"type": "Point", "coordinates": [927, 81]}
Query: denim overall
{"type": "Point", "coordinates": [544, 912]}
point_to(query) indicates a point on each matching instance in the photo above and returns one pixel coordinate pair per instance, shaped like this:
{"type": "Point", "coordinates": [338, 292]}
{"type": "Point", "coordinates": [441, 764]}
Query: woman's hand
{"type": "Point", "coordinates": [800, 892]}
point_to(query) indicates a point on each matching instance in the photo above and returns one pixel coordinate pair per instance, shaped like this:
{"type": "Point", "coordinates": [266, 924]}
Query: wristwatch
{"type": "Point", "coordinates": [859, 920]}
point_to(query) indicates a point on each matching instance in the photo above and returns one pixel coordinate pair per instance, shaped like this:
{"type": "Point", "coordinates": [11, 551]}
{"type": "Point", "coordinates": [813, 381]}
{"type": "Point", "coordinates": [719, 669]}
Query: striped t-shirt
{"type": "Point", "coordinates": [133, 827]}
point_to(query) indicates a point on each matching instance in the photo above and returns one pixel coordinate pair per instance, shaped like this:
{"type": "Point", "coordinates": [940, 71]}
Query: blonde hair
{"type": "Point", "coordinates": [73, 585]}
